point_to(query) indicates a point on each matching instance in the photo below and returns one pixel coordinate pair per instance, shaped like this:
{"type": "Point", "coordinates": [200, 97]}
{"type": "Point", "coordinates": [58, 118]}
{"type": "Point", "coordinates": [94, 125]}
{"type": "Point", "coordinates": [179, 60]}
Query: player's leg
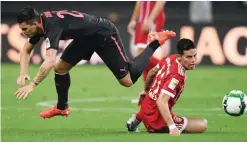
{"type": "Point", "coordinates": [114, 56]}
{"type": "Point", "coordinates": [185, 125]}
{"type": "Point", "coordinates": [133, 122]}
{"type": "Point", "coordinates": [196, 125]}
{"type": "Point", "coordinates": [62, 83]}
{"type": "Point", "coordinates": [127, 72]}
{"type": "Point", "coordinates": [70, 57]}
{"type": "Point", "coordinates": [140, 42]}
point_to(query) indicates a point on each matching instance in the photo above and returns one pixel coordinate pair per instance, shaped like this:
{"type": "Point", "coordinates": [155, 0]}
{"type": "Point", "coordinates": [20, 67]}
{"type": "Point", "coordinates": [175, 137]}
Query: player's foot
{"type": "Point", "coordinates": [132, 124]}
{"type": "Point", "coordinates": [48, 113]}
{"type": "Point", "coordinates": [162, 37]}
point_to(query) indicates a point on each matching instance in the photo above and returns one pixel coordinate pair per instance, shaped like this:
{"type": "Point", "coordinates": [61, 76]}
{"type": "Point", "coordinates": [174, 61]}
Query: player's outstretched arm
{"type": "Point", "coordinates": [151, 74]}
{"type": "Point", "coordinates": [163, 106]}
{"type": "Point", "coordinates": [45, 68]}
{"type": "Point", "coordinates": [24, 62]}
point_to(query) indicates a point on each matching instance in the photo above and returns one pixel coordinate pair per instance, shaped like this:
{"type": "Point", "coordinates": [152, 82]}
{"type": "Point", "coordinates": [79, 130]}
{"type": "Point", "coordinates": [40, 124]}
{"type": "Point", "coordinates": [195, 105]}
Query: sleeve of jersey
{"type": "Point", "coordinates": [53, 37]}
{"type": "Point", "coordinates": [170, 87]}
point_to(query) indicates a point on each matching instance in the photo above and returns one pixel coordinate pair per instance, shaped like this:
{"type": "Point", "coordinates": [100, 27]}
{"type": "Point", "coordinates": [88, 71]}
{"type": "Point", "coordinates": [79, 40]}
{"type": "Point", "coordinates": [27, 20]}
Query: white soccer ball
{"type": "Point", "coordinates": [234, 103]}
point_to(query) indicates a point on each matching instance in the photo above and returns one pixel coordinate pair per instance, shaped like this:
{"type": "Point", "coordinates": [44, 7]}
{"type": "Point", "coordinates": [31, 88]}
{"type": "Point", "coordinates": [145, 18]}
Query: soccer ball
{"type": "Point", "coordinates": [234, 103]}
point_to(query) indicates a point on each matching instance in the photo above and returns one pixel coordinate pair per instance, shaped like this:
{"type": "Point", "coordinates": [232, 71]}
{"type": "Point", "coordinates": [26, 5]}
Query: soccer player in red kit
{"type": "Point", "coordinates": [147, 16]}
{"type": "Point", "coordinates": [164, 86]}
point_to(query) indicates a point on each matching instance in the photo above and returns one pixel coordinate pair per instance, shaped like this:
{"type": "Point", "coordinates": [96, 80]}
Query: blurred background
{"type": "Point", "coordinates": [218, 28]}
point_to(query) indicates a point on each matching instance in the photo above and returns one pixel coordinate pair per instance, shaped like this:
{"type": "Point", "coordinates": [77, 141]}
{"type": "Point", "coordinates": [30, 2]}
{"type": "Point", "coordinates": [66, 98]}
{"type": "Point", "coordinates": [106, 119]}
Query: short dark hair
{"type": "Point", "coordinates": [184, 45]}
{"type": "Point", "coordinates": [27, 14]}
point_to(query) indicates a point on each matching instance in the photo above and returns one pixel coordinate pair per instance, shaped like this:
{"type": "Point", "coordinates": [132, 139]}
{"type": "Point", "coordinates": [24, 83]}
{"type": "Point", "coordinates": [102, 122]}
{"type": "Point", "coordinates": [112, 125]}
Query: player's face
{"type": "Point", "coordinates": [188, 59]}
{"type": "Point", "coordinates": [29, 30]}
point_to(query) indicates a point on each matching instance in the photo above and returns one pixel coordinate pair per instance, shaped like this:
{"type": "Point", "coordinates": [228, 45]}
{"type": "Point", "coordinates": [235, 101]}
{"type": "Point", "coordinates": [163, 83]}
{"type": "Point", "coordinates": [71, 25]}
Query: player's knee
{"type": "Point", "coordinates": [62, 67]}
{"type": "Point", "coordinates": [60, 70]}
{"type": "Point", "coordinates": [126, 83]}
{"type": "Point", "coordinates": [204, 124]}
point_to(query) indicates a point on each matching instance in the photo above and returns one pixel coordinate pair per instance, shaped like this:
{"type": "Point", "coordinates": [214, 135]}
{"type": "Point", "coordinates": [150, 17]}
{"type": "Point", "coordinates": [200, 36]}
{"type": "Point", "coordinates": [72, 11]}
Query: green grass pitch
{"type": "Point", "coordinates": [100, 107]}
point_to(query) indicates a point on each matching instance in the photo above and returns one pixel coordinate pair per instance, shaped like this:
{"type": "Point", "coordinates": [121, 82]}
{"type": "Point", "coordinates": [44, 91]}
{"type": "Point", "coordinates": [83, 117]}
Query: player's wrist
{"type": "Point", "coordinates": [23, 73]}
{"type": "Point", "coordinates": [172, 126]}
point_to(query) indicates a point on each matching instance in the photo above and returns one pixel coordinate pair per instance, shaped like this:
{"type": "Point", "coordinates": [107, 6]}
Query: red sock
{"type": "Point", "coordinates": [152, 63]}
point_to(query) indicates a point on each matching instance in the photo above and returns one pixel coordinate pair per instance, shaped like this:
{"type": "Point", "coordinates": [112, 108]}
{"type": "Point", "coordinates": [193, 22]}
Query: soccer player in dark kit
{"type": "Point", "coordinates": [90, 34]}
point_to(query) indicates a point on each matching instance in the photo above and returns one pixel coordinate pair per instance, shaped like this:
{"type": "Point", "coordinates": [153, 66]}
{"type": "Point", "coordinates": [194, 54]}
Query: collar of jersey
{"type": "Point", "coordinates": [181, 65]}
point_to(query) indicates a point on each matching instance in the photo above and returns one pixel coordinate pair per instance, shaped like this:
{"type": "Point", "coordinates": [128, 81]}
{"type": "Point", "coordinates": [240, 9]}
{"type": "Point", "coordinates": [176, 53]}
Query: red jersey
{"type": "Point", "coordinates": [170, 80]}
{"type": "Point", "coordinates": [146, 8]}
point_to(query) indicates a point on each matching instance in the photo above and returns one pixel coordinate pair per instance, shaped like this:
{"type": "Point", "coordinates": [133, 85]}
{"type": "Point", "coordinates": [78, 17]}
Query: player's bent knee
{"type": "Point", "coordinates": [196, 125]}
{"type": "Point", "coordinates": [126, 81]}
{"type": "Point", "coordinates": [62, 67]}
{"type": "Point", "coordinates": [204, 125]}
{"type": "Point", "coordinates": [60, 70]}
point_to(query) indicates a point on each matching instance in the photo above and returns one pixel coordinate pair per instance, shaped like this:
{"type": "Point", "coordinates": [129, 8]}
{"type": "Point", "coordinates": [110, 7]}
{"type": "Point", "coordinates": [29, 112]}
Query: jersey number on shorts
{"type": "Point", "coordinates": [61, 13]}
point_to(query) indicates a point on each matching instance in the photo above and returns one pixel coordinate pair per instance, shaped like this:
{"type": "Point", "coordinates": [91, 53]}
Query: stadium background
{"type": "Point", "coordinates": [100, 105]}
{"type": "Point", "coordinates": [212, 36]}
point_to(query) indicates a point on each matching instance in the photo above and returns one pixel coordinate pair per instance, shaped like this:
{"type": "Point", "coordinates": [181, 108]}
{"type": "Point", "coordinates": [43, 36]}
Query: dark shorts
{"type": "Point", "coordinates": [109, 48]}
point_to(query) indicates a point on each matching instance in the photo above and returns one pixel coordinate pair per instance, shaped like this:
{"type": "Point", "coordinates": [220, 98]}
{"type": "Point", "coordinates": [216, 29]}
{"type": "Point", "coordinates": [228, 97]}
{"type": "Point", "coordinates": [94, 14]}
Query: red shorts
{"type": "Point", "coordinates": [153, 120]}
{"type": "Point", "coordinates": [141, 37]}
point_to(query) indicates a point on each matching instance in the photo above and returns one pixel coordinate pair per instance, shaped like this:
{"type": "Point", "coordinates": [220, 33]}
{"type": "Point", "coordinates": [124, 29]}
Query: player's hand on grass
{"type": "Point", "coordinates": [131, 27]}
{"type": "Point", "coordinates": [23, 92]}
{"type": "Point", "coordinates": [22, 78]}
{"type": "Point", "coordinates": [174, 132]}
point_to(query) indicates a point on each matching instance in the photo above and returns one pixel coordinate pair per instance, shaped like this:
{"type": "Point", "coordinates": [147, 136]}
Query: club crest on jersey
{"type": "Point", "coordinates": [48, 44]}
{"type": "Point", "coordinates": [174, 82]}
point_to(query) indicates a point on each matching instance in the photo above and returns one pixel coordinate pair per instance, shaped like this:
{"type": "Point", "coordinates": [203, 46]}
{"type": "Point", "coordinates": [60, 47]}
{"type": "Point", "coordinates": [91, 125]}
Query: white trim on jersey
{"type": "Point", "coordinates": [181, 69]}
{"type": "Point", "coordinates": [168, 93]}
{"type": "Point", "coordinates": [140, 45]}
